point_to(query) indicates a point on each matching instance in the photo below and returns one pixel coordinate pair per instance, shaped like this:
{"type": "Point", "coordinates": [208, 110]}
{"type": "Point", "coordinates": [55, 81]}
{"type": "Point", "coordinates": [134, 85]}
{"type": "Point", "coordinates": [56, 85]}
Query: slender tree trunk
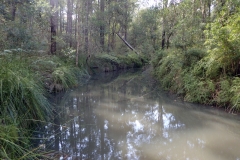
{"type": "Point", "coordinates": [209, 10]}
{"type": "Point", "coordinates": [109, 35]}
{"type": "Point", "coordinates": [14, 9]}
{"type": "Point", "coordinates": [183, 34]}
{"type": "Point", "coordinates": [163, 38]}
{"type": "Point", "coordinates": [126, 20]}
{"type": "Point", "coordinates": [165, 3]}
{"type": "Point", "coordinates": [88, 3]}
{"type": "Point", "coordinates": [60, 20]}
{"type": "Point", "coordinates": [168, 39]}
{"type": "Point", "coordinates": [77, 31]}
{"type": "Point", "coordinates": [69, 21]}
{"type": "Point", "coordinates": [102, 27]}
{"type": "Point", "coordinates": [53, 47]}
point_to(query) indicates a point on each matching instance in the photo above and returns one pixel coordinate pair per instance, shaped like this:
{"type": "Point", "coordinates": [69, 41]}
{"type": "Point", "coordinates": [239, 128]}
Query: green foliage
{"type": "Point", "coordinates": [169, 68]}
{"type": "Point", "coordinates": [208, 67]}
{"type": "Point", "coordinates": [202, 74]}
{"type": "Point", "coordinates": [23, 102]}
{"type": "Point", "coordinates": [55, 73]}
{"type": "Point", "coordinates": [223, 94]}
{"type": "Point", "coordinates": [108, 58]}
{"type": "Point", "coordinates": [64, 77]}
{"type": "Point", "coordinates": [223, 42]}
{"type": "Point", "coordinates": [68, 55]}
{"type": "Point", "coordinates": [21, 94]}
{"type": "Point", "coordinates": [146, 39]}
{"type": "Point", "coordinates": [235, 92]}
{"type": "Point", "coordinates": [129, 60]}
{"type": "Point", "coordinates": [198, 90]}
{"type": "Point", "coordinates": [173, 70]}
{"type": "Point", "coordinates": [192, 56]}
{"type": "Point", "coordinates": [135, 59]}
{"type": "Point", "coordinates": [157, 57]}
{"type": "Point", "coordinates": [10, 147]}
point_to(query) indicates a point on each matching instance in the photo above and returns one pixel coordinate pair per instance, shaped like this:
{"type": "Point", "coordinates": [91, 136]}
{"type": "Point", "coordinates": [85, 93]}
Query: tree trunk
{"type": "Point", "coordinates": [102, 27]}
{"type": "Point", "coordinates": [77, 31]}
{"type": "Point", "coordinates": [53, 17]}
{"type": "Point", "coordinates": [109, 36]}
{"type": "Point", "coordinates": [165, 4]}
{"type": "Point", "coordinates": [88, 3]}
{"type": "Point", "coordinates": [127, 44]}
{"type": "Point", "coordinates": [163, 38]}
{"type": "Point", "coordinates": [60, 20]}
{"type": "Point", "coordinates": [14, 9]}
{"type": "Point", "coordinates": [168, 39]}
{"type": "Point", "coordinates": [69, 21]}
{"type": "Point", "coordinates": [126, 20]}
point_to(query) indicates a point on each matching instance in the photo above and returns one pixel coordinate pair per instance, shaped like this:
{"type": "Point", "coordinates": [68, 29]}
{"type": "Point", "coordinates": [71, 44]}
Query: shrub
{"type": "Point", "coordinates": [223, 94]}
{"type": "Point", "coordinates": [192, 56]}
{"type": "Point", "coordinates": [169, 70]}
{"type": "Point", "coordinates": [235, 92]}
{"type": "Point", "coordinates": [135, 59]}
{"type": "Point", "coordinates": [198, 90]}
{"type": "Point", "coordinates": [156, 58]}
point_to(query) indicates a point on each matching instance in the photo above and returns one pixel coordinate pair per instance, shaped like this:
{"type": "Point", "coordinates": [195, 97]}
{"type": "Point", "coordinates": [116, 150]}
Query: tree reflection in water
{"type": "Point", "coordinates": [126, 118]}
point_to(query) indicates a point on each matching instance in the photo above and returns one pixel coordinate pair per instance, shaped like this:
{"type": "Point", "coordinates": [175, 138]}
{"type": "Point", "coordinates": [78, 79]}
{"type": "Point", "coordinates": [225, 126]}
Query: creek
{"type": "Point", "coordinates": [126, 116]}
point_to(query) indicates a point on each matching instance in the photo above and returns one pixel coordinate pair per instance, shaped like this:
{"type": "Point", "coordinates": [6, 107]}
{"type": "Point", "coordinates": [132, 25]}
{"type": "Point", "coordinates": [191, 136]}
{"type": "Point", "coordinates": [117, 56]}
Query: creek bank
{"type": "Point", "coordinates": [185, 74]}
{"type": "Point", "coordinates": [112, 62]}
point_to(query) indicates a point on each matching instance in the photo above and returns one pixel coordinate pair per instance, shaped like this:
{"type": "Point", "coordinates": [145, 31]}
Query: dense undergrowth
{"type": "Point", "coordinates": [198, 77]}
{"type": "Point", "coordinates": [25, 82]}
{"type": "Point", "coordinates": [111, 62]}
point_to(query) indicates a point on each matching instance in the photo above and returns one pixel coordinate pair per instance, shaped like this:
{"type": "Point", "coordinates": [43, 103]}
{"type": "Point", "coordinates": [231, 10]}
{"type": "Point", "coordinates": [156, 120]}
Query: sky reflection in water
{"type": "Point", "coordinates": [128, 118]}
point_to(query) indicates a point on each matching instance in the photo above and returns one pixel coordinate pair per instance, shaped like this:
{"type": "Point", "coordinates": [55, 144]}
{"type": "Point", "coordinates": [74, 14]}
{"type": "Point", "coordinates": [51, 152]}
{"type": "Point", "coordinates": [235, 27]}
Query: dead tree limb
{"type": "Point", "coordinates": [127, 44]}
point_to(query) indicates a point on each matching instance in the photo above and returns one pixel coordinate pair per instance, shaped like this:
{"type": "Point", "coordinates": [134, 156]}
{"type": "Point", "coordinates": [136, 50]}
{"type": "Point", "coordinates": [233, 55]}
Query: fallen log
{"type": "Point", "coordinates": [127, 44]}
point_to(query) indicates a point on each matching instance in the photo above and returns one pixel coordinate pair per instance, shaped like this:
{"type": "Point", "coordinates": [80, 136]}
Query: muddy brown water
{"type": "Point", "coordinates": [126, 116]}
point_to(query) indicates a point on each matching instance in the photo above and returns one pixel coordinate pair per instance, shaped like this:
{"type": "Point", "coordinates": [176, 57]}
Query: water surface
{"type": "Point", "coordinates": [126, 116]}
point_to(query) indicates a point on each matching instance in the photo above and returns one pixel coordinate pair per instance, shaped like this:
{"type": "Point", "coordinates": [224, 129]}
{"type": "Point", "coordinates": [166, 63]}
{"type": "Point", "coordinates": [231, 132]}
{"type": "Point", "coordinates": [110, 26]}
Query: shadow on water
{"type": "Point", "coordinates": [125, 116]}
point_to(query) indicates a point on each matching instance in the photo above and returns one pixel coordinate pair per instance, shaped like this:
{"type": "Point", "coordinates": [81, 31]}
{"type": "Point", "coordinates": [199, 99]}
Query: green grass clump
{"type": "Point", "coordinates": [64, 77]}
{"type": "Point", "coordinates": [24, 78]}
{"type": "Point", "coordinates": [21, 94]}
{"type": "Point", "coordinates": [13, 144]}
{"type": "Point", "coordinates": [23, 104]}
{"type": "Point", "coordinates": [55, 73]}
